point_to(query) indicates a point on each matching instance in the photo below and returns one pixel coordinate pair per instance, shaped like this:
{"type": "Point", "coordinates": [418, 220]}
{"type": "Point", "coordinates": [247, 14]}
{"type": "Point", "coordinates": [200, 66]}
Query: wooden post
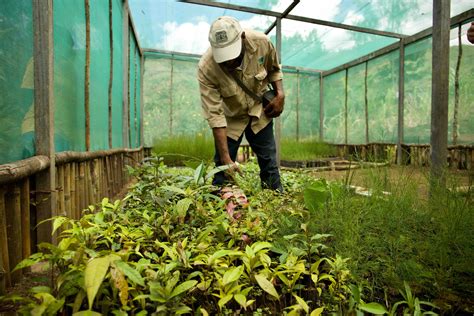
{"type": "Point", "coordinates": [44, 114]}
{"type": "Point", "coordinates": [456, 88]}
{"type": "Point", "coordinates": [366, 104]}
{"type": "Point", "coordinates": [278, 119]}
{"type": "Point", "coordinates": [401, 101]}
{"type": "Point", "coordinates": [321, 107]}
{"type": "Point", "coordinates": [87, 77]}
{"type": "Point", "coordinates": [111, 71]}
{"type": "Point", "coordinates": [297, 105]}
{"type": "Point", "coordinates": [439, 94]}
{"type": "Point", "coordinates": [25, 218]}
{"type": "Point", "coordinates": [60, 188]}
{"type": "Point", "coordinates": [345, 105]}
{"type": "Point", "coordinates": [171, 97]}
{"type": "Point", "coordinates": [13, 212]}
{"type": "Point", "coordinates": [5, 261]}
{"type": "Point", "coordinates": [135, 122]}
{"type": "Point", "coordinates": [74, 181]}
{"type": "Point", "coordinates": [142, 70]}
{"type": "Point", "coordinates": [125, 92]}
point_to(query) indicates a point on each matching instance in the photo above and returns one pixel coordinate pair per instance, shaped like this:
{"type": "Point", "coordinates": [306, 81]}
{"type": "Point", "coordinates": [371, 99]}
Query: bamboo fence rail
{"type": "Point", "coordinates": [82, 179]}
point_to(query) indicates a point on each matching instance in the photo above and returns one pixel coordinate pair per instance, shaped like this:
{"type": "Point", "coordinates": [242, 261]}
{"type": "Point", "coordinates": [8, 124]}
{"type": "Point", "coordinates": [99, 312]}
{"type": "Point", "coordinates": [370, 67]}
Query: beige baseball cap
{"type": "Point", "coordinates": [225, 39]}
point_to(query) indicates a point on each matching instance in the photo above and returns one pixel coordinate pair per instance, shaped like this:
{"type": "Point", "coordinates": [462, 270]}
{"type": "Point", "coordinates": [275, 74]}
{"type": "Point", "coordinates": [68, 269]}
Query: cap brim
{"type": "Point", "coordinates": [227, 53]}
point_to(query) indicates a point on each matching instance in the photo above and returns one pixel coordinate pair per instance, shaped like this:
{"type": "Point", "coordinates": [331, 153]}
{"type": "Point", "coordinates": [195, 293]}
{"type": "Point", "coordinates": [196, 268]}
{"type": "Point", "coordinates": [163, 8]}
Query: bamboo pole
{"type": "Point", "coordinates": [87, 75]}
{"type": "Point", "coordinates": [74, 205]}
{"type": "Point", "coordinates": [67, 190]}
{"type": "Point", "coordinates": [25, 218]}
{"type": "Point", "coordinates": [87, 183]}
{"type": "Point", "coordinates": [5, 280]}
{"type": "Point", "coordinates": [135, 126]}
{"type": "Point", "coordinates": [111, 72]}
{"type": "Point", "coordinates": [171, 99]}
{"type": "Point", "coordinates": [366, 104]}
{"type": "Point", "coordinates": [297, 105]}
{"type": "Point", "coordinates": [14, 171]}
{"type": "Point", "coordinates": [81, 192]}
{"type": "Point", "coordinates": [345, 106]}
{"type": "Point", "coordinates": [14, 234]}
{"type": "Point", "coordinates": [60, 187]}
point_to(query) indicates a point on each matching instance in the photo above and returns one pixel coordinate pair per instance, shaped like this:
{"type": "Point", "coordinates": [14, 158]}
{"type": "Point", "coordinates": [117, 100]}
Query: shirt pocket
{"type": "Point", "coordinates": [260, 79]}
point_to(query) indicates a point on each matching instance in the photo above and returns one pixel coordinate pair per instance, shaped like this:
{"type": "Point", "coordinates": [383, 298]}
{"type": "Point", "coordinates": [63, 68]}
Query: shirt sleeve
{"type": "Point", "coordinates": [211, 102]}
{"type": "Point", "coordinates": [272, 64]}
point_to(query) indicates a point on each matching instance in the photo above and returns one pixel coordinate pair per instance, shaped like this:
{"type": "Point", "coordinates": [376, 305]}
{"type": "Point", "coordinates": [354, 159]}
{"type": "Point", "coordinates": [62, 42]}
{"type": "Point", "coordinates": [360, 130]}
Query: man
{"type": "Point", "coordinates": [229, 110]}
{"type": "Point", "coordinates": [470, 33]}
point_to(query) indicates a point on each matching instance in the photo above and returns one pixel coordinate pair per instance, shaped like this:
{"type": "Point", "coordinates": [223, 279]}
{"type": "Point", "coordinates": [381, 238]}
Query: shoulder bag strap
{"type": "Point", "coordinates": [243, 86]}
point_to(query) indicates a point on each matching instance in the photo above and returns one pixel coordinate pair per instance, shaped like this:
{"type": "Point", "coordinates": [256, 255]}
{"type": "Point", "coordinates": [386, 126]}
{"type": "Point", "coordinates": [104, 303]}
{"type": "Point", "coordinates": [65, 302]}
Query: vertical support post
{"type": "Point", "coordinates": [87, 76]}
{"type": "Point", "coordinates": [439, 92]}
{"type": "Point", "coordinates": [456, 89]}
{"type": "Point", "coordinates": [171, 95]}
{"type": "Point", "coordinates": [297, 105]}
{"type": "Point", "coordinates": [44, 114]}
{"type": "Point", "coordinates": [142, 102]}
{"type": "Point", "coordinates": [366, 103]}
{"type": "Point", "coordinates": [111, 70]}
{"type": "Point", "coordinates": [13, 212]}
{"type": "Point", "coordinates": [135, 85]}
{"type": "Point", "coordinates": [321, 107]}
{"type": "Point", "coordinates": [25, 218]}
{"type": "Point", "coordinates": [125, 104]}
{"type": "Point", "coordinates": [278, 119]}
{"type": "Point", "coordinates": [346, 92]}
{"type": "Point", "coordinates": [4, 260]}
{"type": "Point", "coordinates": [401, 101]}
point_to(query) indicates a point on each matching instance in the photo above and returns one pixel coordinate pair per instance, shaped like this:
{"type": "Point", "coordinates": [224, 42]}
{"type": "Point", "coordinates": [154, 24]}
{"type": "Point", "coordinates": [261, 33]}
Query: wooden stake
{"type": "Point", "coordinates": [67, 190]}
{"type": "Point", "coordinates": [456, 88]}
{"type": "Point", "coordinates": [60, 187]}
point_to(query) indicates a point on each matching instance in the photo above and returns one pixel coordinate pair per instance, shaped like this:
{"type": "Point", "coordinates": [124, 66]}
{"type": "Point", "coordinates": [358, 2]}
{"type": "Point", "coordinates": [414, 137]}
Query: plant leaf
{"type": "Point", "coordinates": [182, 207]}
{"type": "Point", "coordinates": [232, 275]}
{"type": "Point", "coordinates": [374, 308]}
{"type": "Point", "coordinates": [302, 303]}
{"type": "Point", "coordinates": [87, 313]}
{"type": "Point", "coordinates": [130, 272]}
{"type": "Point", "coordinates": [266, 285]}
{"type": "Point", "coordinates": [94, 275]}
{"type": "Point", "coordinates": [58, 222]}
{"type": "Point", "coordinates": [316, 312]}
{"type": "Point", "coordinates": [183, 287]}
{"type": "Point", "coordinates": [241, 299]}
{"type": "Point", "coordinates": [224, 300]}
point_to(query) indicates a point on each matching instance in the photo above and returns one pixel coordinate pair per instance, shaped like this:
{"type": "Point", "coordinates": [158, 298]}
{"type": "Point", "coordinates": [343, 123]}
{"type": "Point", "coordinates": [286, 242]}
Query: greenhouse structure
{"type": "Point", "coordinates": [105, 208]}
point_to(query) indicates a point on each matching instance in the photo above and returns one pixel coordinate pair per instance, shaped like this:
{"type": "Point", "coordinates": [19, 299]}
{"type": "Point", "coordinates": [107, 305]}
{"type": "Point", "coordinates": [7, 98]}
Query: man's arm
{"type": "Point", "coordinates": [220, 139]}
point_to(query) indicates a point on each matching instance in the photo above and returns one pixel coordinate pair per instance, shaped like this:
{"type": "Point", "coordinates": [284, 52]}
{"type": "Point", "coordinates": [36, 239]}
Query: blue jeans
{"type": "Point", "coordinates": [263, 145]}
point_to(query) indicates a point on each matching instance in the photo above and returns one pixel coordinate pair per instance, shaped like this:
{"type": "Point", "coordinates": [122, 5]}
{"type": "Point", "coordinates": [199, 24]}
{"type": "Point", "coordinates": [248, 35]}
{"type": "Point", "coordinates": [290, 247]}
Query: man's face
{"type": "Point", "coordinates": [236, 62]}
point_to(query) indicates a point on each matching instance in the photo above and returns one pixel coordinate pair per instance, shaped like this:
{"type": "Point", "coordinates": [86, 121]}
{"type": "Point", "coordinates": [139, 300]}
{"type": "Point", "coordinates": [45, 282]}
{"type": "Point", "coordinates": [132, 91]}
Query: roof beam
{"type": "Point", "coordinates": [458, 19]}
{"type": "Point", "coordinates": [284, 14]}
{"type": "Point", "coordinates": [294, 17]}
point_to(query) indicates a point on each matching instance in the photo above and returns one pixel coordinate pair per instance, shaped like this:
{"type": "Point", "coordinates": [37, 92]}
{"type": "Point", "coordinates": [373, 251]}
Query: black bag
{"type": "Point", "coordinates": [268, 96]}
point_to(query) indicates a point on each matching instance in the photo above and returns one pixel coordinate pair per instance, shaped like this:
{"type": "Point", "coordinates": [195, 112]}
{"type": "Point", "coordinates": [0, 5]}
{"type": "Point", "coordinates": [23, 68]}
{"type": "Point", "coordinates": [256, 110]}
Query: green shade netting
{"type": "Point", "coordinates": [356, 122]}
{"type": "Point", "coordinates": [334, 108]}
{"type": "Point", "coordinates": [16, 81]}
{"type": "Point", "coordinates": [117, 83]}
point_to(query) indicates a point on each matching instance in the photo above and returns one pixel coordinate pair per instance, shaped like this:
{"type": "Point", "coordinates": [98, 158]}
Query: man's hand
{"type": "Point", "coordinates": [275, 107]}
{"type": "Point", "coordinates": [470, 33]}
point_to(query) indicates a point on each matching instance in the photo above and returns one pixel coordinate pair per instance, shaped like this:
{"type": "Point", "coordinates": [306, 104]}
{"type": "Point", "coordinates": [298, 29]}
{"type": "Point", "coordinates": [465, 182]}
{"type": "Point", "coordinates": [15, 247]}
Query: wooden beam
{"type": "Point", "coordinates": [12, 172]}
{"type": "Point", "coordinates": [284, 14]}
{"type": "Point", "coordinates": [440, 91]}
{"type": "Point", "coordinates": [44, 114]}
{"type": "Point", "coordinates": [293, 17]}
{"type": "Point", "coordinates": [401, 100]}
{"type": "Point", "coordinates": [460, 18]}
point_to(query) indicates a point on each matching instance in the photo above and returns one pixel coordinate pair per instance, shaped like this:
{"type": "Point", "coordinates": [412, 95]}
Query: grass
{"type": "Point", "coordinates": [305, 150]}
{"type": "Point", "coordinates": [404, 237]}
{"type": "Point", "coordinates": [177, 150]}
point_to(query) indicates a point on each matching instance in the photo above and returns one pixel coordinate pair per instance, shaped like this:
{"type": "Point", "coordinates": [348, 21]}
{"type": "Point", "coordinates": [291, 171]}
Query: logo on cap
{"type": "Point", "coordinates": [221, 37]}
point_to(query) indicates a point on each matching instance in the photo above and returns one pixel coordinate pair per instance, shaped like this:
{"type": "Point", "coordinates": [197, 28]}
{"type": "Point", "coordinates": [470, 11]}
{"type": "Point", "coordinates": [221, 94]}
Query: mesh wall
{"type": "Point", "coordinates": [382, 95]}
{"type": "Point", "coordinates": [309, 106]}
{"type": "Point", "coordinates": [356, 122]}
{"type": "Point", "coordinates": [16, 80]}
{"type": "Point", "coordinates": [289, 124]}
{"type": "Point", "coordinates": [334, 117]}
{"type": "Point", "coordinates": [134, 90]}
{"type": "Point", "coordinates": [69, 63]}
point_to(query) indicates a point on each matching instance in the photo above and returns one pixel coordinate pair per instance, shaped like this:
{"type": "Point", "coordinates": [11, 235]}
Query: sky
{"type": "Point", "coordinates": [182, 27]}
